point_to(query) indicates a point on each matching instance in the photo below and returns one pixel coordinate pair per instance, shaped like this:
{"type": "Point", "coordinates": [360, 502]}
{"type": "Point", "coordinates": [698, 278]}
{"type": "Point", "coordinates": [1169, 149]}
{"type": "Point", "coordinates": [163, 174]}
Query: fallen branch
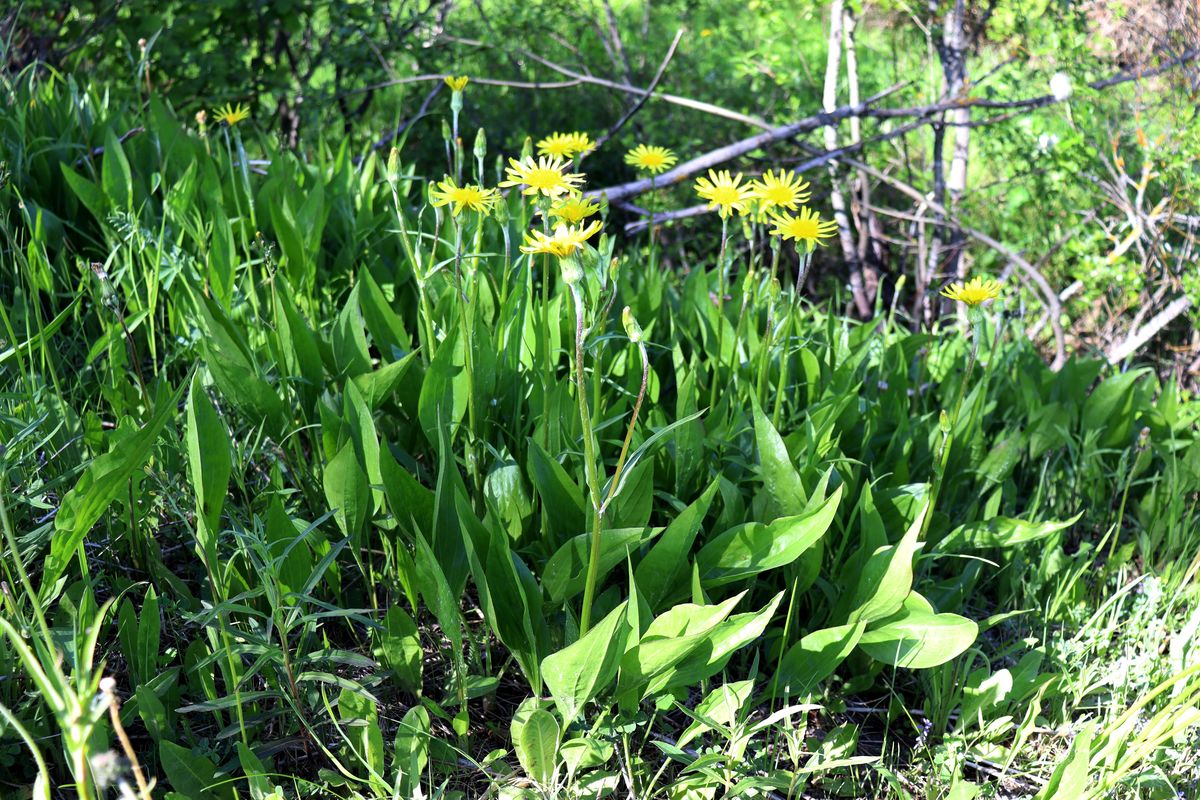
{"type": "Point", "coordinates": [729, 152]}
{"type": "Point", "coordinates": [1137, 339]}
{"type": "Point", "coordinates": [922, 114]}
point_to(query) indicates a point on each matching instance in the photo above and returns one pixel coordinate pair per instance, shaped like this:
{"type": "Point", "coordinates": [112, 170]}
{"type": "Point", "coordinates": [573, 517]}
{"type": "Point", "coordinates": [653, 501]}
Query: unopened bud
{"type": "Point", "coordinates": [446, 134]}
{"type": "Point", "coordinates": [392, 171]}
{"type": "Point", "coordinates": [572, 272]}
{"type": "Point", "coordinates": [944, 422]}
{"type": "Point", "coordinates": [614, 269]}
{"type": "Point", "coordinates": [632, 329]}
{"type": "Point", "coordinates": [480, 144]}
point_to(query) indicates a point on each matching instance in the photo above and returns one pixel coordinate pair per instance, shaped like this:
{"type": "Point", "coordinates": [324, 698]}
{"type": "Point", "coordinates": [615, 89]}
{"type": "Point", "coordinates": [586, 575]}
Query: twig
{"type": "Point", "coordinates": [641, 101]}
{"type": "Point", "coordinates": [1137, 339]}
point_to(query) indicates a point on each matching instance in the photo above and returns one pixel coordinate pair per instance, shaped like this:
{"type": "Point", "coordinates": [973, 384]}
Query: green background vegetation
{"type": "Point", "coordinates": [323, 518]}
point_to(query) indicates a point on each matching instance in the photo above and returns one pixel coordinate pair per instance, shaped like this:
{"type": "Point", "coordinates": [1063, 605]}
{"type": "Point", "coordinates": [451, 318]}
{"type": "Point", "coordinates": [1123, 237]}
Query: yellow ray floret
{"type": "Point", "coordinates": [973, 292]}
{"type": "Point", "coordinates": [565, 240]}
{"type": "Point", "coordinates": [456, 84]}
{"type": "Point", "coordinates": [231, 115]}
{"type": "Point", "coordinates": [807, 227]}
{"type": "Point", "coordinates": [573, 209]}
{"type": "Point", "coordinates": [475, 198]}
{"type": "Point", "coordinates": [650, 158]}
{"type": "Point", "coordinates": [565, 145]}
{"type": "Point", "coordinates": [782, 190]}
{"type": "Point", "coordinates": [724, 193]}
{"type": "Point", "coordinates": [545, 175]}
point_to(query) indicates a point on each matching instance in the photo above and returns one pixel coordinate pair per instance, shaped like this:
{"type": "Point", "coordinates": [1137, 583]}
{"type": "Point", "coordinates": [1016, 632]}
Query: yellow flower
{"type": "Point", "coordinates": [476, 198]}
{"type": "Point", "coordinates": [779, 190]}
{"type": "Point", "coordinates": [231, 115]}
{"type": "Point", "coordinates": [652, 159]}
{"type": "Point", "coordinates": [973, 292]}
{"type": "Point", "coordinates": [456, 84]}
{"type": "Point", "coordinates": [573, 209]}
{"type": "Point", "coordinates": [565, 145]}
{"type": "Point", "coordinates": [724, 193]}
{"type": "Point", "coordinates": [805, 227]}
{"type": "Point", "coordinates": [545, 175]}
{"type": "Point", "coordinates": [565, 240]}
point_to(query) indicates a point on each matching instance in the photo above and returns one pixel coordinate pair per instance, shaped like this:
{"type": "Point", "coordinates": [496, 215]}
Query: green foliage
{"type": "Point", "coordinates": [368, 520]}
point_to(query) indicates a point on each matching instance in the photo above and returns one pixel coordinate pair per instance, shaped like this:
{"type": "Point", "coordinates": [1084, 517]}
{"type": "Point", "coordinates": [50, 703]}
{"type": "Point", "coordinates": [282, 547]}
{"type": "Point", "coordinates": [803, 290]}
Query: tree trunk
{"type": "Point", "coordinates": [837, 198]}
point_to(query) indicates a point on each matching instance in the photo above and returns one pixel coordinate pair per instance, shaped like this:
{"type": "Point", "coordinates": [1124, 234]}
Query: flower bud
{"type": "Point", "coordinates": [944, 422]}
{"type": "Point", "coordinates": [614, 269]}
{"type": "Point", "coordinates": [572, 272]}
{"type": "Point", "coordinates": [480, 144]}
{"type": "Point", "coordinates": [632, 329]}
{"type": "Point", "coordinates": [447, 136]}
{"type": "Point", "coordinates": [393, 167]}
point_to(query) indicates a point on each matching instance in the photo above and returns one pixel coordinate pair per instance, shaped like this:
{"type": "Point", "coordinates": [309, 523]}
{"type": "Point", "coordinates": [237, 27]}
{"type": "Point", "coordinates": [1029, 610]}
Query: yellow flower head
{"type": "Point", "coordinates": [806, 227]}
{"type": "Point", "coordinates": [779, 190]}
{"type": "Point", "coordinates": [476, 198]}
{"type": "Point", "coordinates": [545, 175]}
{"type": "Point", "coordinates": [573, 209]}
{"type": "Point", "coordinates": [456, 84]}
{"type": "Point", "coordinates": [565, 145]}
{"type": "Point", "coordinates": [973, 292]}
{"type": "Point", "coordinates": [724, 193]}
{"type": "Point", "coordinates": [651, 159]}
{"type": "Point", "coordinates": [565, 240]}
{"type": "Point", "coordinates": [232, 115]}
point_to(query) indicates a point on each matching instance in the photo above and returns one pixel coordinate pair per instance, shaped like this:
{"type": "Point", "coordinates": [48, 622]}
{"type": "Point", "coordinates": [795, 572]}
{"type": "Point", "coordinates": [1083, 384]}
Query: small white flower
{"type": "Point", "coordinates": [1060, 86]}
{"type": "Point", "coordinates": [1047, 141]}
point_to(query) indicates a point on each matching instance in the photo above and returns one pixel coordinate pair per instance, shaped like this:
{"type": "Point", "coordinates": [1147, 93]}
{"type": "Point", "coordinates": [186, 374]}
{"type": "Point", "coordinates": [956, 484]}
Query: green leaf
{"type": "Point", "coordinates": [752, 548]}
{"type": "Point", "coordinates": [814, 658]}
{"type": "Point", "coordinates": [715, 649]}
{"type": "Point", "coordinates": [411, 750]}
{"type": "Point", "coordinates": [537, 747]}
{"type": "Point", "coordinates": [88, 193]}
{"type": "Point", "coordinates": [104, 480]}
{"type": "Point", "coordinates": [443, 400]}
{"type": "Point", "coordinates": [360, 720]}
{"type": "Point", "coordinates": [780, 478]}
{"type": "Point", "coordinates": [578, 672]}
{"type": "Point", "coordinates": [190, 775]}
{"type": "Point", "coordinates": [886, 578]}
{"type": "Point", "coordinates": [115, 176]}
{"type": "Point", "coordinates": [917, 638]}
{"type": "Point", "coordinates": [1108, 409]}
{"type": "Point", "coordinates": [210, 461]}
{"type": "Point", "coordinates": [562, 499]}
{"type": "Point", "coordinates": [662, 573]}
{"type": "Point", "coordinates": [398, 647]}
{"type": "Point", "coordinates": [566, 571]}
{"type": "Point", "coordinates": [1001, 532]}
{"type": "Point", "coordinates": [348, 494]}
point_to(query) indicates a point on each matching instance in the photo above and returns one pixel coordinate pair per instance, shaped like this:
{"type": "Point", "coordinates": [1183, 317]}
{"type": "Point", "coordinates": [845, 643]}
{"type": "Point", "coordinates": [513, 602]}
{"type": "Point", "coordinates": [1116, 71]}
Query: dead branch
{"type": "Point", "coordinates": [641, 101]}
{"type": "Point", "coordinates": [1137, 339]}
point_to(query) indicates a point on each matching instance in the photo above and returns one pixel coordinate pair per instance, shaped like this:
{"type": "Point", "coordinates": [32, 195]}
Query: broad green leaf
{"type": "Point", "coordinates": [348, 494]}
{"type": "Point", "coordinates": [814, 658]}
{"type": "Point", "coordinates": [360, 721]}
{"type": "Point", "coordinates": [1108, 409]}
{"type": "Point", "coordinates": [537, 747]}
{"type": "Point", "coordinates": [754, 547]}
{"type": "Point", "coordinates": [886, 577]}
{"type": "Point", "coordinates": [717, 647]}
{"type": "Point", "coordinates": [562, 499]}
{"type": "Point", "coordinates": [566, 571]}
{"type": "Point", "coordinates": [919, 639]}
{"type": "Point", "coordinates": [190, 775]}
{"type": "Point", "coordinates": [662, 572]}
{"type": "Point", "coordinates": [210, 461]}
{"type": "Point", "coordinates": [398, 647]}
{"type": "Point", "coordinates": [579, 671]}
{"type": "Point", "coordinates": [411, 750]}
{"type": "Point", "coordinates": [1001, 532]}
{"type": "Point", "coordinates": [780, 478]}
{"type": "Point", "coordinates": [115, 175]}
{"type": "Point", "coordinates": [105, 479]}
{"type": "Point", "coordinates": [443, 400]}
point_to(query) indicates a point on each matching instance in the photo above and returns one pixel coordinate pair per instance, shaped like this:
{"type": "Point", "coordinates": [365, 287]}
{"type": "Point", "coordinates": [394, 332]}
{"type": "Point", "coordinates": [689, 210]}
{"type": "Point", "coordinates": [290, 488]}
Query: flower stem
{"type": "Point", "coordinates": [712, 399]}
{"type": "Point", "coordinates": [589, 466]}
